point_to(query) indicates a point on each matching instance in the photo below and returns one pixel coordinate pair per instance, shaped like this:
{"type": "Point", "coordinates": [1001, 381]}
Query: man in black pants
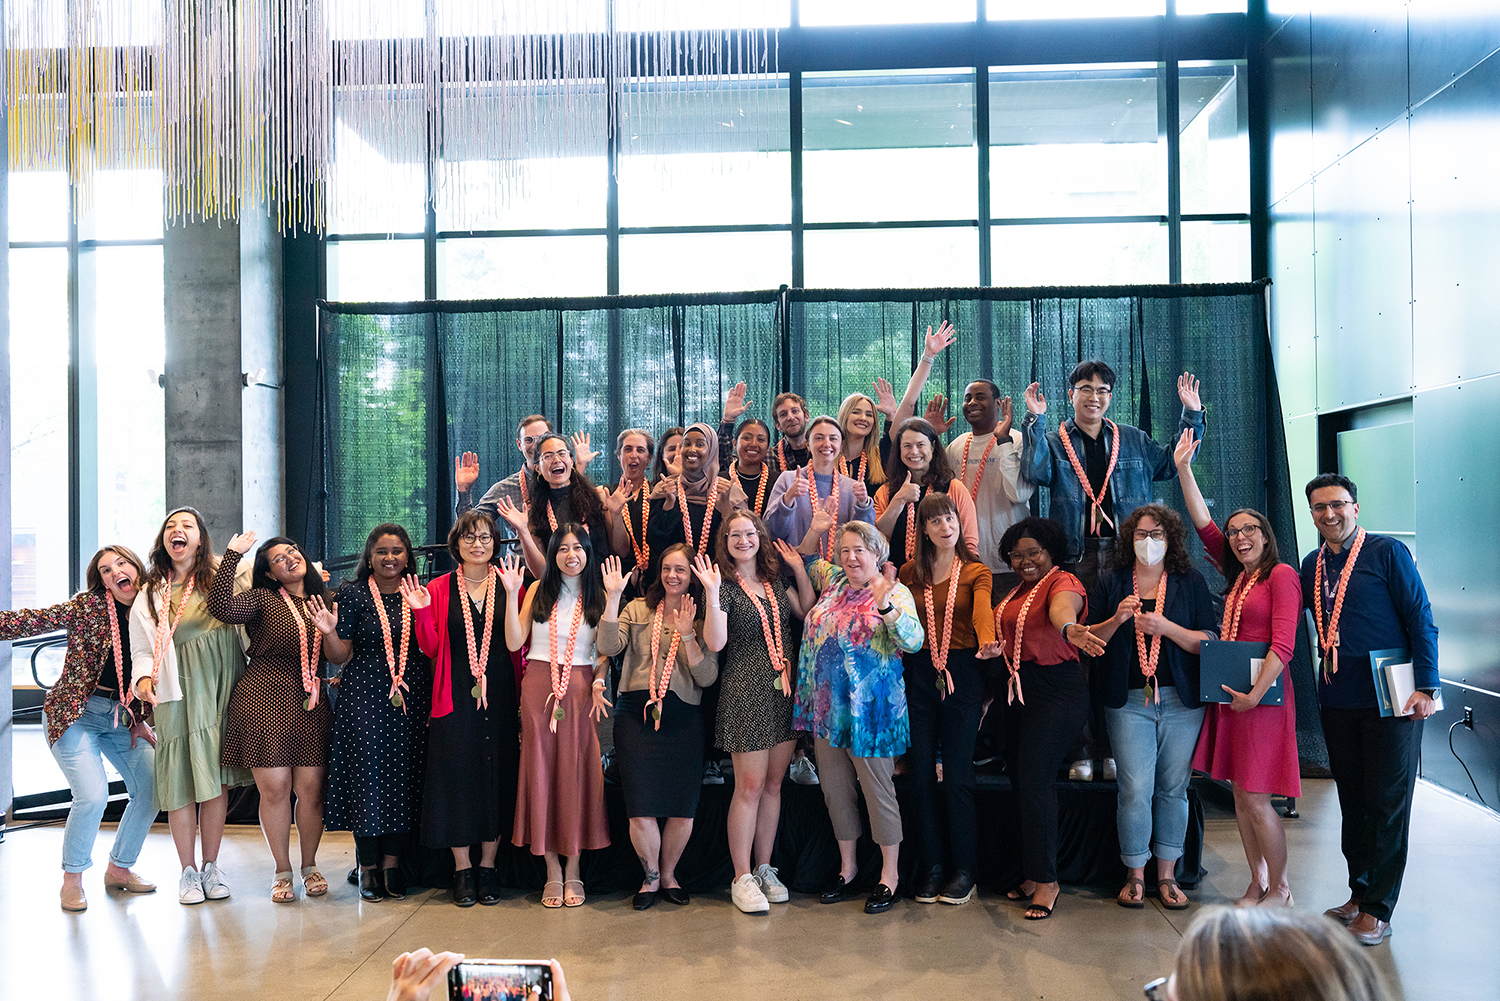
{"type": "Point", "coordinates": [1365, 595]}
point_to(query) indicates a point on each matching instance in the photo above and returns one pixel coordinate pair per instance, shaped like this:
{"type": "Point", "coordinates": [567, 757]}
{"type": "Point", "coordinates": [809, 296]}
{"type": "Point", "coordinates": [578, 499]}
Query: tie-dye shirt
{"type": "Point", "coordinates": [849, 686]}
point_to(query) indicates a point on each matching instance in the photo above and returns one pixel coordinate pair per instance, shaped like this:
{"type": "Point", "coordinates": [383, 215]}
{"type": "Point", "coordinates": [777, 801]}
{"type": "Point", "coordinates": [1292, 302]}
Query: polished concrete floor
{"type": "Point", "coordinates": [1446, 942]}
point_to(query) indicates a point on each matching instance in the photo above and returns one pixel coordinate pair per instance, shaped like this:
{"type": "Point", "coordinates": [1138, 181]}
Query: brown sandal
{"type": "Point", "coordinates": [313, 881]}
{"type": "Point", "coordinates": [1162, 886]}
{"type": "Point", "coordinates": [1127, 898]}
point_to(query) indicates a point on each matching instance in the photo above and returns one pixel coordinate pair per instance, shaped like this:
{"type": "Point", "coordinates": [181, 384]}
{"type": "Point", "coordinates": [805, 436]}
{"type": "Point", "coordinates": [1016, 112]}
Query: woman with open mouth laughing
{"type": "Point", "coordinates": [189, 663]}
{"type": "Point", "coordinates": [91, 718]}
{"type": "Point", "coordinates": [277, 724]}
{"type": "Point", "coordinates": [560, 494]}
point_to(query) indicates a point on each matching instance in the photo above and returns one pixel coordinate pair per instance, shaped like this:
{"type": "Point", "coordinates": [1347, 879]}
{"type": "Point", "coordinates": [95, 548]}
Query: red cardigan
{"type": "Point", "coordinates": [431, 624]}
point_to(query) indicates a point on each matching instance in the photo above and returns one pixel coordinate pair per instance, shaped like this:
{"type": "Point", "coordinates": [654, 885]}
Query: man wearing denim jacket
{"type": "Point", "coordinates": [1089, 527]}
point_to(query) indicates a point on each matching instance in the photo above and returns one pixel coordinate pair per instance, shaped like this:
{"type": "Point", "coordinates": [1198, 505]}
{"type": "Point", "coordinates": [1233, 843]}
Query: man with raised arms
{"type": "Point", "coordinates": [514, 487]}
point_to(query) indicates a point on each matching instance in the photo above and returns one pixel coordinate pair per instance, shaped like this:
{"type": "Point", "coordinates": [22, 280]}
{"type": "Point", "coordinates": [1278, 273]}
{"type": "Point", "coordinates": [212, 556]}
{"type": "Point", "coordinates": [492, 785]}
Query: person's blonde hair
{"type": "Point", "coordinates": [871, 450]}
{"type": "Point", "coordinates": [1265, 954]}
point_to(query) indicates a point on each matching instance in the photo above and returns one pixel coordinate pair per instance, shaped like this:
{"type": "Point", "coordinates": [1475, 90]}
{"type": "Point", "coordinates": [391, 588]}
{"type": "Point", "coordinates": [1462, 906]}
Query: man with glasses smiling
{"type": "Point", "coordinates": [1365, 594]}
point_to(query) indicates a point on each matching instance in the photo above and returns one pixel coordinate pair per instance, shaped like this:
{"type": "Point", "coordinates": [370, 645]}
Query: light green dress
{"type": "Point", "coordinates": [189, 732]}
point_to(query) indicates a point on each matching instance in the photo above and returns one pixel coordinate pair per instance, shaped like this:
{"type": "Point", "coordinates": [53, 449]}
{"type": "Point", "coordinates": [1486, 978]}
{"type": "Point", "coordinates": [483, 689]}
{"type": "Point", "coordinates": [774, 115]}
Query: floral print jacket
{"type": "Point", "coordinates": [849, 686]}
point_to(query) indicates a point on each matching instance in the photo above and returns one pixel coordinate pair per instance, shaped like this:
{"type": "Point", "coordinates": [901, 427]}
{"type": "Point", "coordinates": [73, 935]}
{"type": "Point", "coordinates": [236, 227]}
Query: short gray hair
{"type": "Point", "coordinates": [650, 441]}
{"type": "Point", "coordinates": [871, 537]}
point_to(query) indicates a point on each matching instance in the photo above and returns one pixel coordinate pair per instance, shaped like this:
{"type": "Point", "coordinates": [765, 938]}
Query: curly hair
{"type": "Point", "coordinates": [583, 496]}
{"type": "Point", "coordinates": [1177, 560]}
{"type": "Point", "coordinates": [261, 576]}
{"type": "Point", "coordinates": [1047, 533]}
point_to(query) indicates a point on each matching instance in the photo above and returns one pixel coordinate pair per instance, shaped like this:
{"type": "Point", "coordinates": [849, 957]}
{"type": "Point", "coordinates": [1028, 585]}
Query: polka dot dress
{"type": "Point", "coordinates": [378, 754]}
{"type": "Point", "coordinates": [752, 716]}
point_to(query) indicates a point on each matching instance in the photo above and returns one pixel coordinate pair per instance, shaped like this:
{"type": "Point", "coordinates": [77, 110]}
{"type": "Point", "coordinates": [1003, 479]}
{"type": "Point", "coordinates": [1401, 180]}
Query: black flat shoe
{"type": "Point", "coordinates": [371, 886]}
{"type": "Point", "coordinates": [644, 900]}
{"type": "Point", "coordinates": [674, 895]}
{"type": "Point", "coordinates": [959, 889]}
{"type": "Point", "coordinates": [487, 886]}
{"type": "Point", "coordinates": [880, 899]}
{"type": "Point", "coordinates": [354, 877]}
{"type": "Point", "coordinates": [837, 892]}
{"type": "Point", "coordinates": [464, 893]}
{"type": "Point", "coordinates": [395, 882]}
{"type": "Point", "coordinates": [928, 885]}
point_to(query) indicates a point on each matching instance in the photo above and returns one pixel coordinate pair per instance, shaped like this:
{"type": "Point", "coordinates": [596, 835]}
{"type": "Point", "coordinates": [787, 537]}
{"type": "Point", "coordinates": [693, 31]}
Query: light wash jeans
{"type": "Point", "coordinates": [80, 753]}
{"type": "Point", "coordinates": [1153, 745]}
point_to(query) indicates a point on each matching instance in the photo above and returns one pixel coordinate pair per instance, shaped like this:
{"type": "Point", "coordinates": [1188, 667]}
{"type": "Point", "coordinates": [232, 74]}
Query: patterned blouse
{"type": "Point", "coordinates": [86, 619]}
{"type": "Point", "coordinates": [849, 686]}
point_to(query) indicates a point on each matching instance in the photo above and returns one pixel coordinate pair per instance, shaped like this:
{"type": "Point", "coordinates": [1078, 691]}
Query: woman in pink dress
{"type": "Point", "coordinates": [1251, 745]}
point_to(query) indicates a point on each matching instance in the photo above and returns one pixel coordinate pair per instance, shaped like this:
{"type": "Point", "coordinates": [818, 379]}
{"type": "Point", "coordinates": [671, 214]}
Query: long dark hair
{"type": "Point", "coordinates": [1177, 561]}
{"type": "Point", "coordinates": [935, 504]}
{"type": "Point", "coordinates": [590, 582]}
{"type": "Point", "coordinates": [161, 560]}
{"type": "Point", "coordinates": [260, 576]}
{"type": "Point", "coordinates": [657, 592]}
{"type": "Point", "coordinates": [93, 580]}
{"type": "Point", "coordinates": [767, 559]}
{"type": "Point", "coordinates": [583, 496]}
{"type": "Point", "coordinates": [1229, 560]}
{"type": "Point", "coordinates": [938, 474]}
{"type": "Point", "coordinates": [367, 560]}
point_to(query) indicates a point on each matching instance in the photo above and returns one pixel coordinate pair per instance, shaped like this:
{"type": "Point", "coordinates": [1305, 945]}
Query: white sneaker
{"type": "Point", "coordinates": [802, 772]}
{"type": "Point", "coordinates": [190, 887]}
{"type": "Point", "coordinates": [745, 892]}
{"type": "Point", "coordinates": [771, 884]}
{"type": "Point", "coordinates": [212, 878]}
{"type": "Point", "coordinates": [1109, 773]}
{"type": "Point", "coordinates": [1081, 771]}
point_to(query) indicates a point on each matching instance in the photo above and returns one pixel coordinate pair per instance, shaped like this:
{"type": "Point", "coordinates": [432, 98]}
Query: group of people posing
{"type": "Point", "coordinates": [856, 583]}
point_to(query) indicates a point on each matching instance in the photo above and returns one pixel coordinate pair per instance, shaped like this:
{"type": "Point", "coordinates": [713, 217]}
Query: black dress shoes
{"type": "Point", "coordinates": [644, 900]}
{"type": "Point", "coordinates": [675, 895]}
{"type": "Point", "coordinates": [395, 882]}
{"type": "Point", "coordinates": [928, 885]}
{"type": "Point", "coordinates": [880, 899]}
{"type": "Point", "coordinates": [371, 886]}
{"type": "Point", "coordinates": [837, 892]}
{"type": "Point", "coordinates": [464, 892]}
{"type": "Point", "coordinates": [354, 876]}
{"type": "Point", "coordinates": [487, 886]}
{"type": "Point", "coordinates": [959, 889]}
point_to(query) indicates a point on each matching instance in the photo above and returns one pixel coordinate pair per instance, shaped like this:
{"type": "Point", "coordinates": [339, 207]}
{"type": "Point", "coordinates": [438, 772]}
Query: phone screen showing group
{"type": "Point", "coordinates": [500, 980]}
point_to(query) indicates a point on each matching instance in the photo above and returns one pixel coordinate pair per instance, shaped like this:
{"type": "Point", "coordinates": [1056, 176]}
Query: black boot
{"type": "Point", "coordinates": [929, 881]}
{"type": "Point", "coordinates": [395, 882]}
{"type": "Point", "coordinates": [488, 885]}
{"type": "Point", "coordinates": [464, 892]}
{"type": "Point", "coordinates": [959, 889]}
{"type": "Point", "coordinates": [371, 885]}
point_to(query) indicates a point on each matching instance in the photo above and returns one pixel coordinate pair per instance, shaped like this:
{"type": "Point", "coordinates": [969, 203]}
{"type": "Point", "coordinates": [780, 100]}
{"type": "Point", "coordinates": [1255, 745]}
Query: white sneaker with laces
{"type": "Point", "coordinates": [190, 887]}
{"type": "Point", "coordinates": [212, 878]}
{"type": "Point", "coordinates": [802, 772]}
{"type": "Point", "coordinates": [771, 884]}
{"type": "Point", "coordinates": [745, 892]}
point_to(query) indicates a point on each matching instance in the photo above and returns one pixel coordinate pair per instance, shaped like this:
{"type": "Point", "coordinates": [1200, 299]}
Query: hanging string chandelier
{"type": "Point", "coordinates": [240, 102]}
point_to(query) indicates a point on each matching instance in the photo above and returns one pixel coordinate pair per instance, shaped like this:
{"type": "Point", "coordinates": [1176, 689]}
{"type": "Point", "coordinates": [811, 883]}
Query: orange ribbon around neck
{"type": "Point", "coordinates": [771, 629]}
{"type": "Point", "coordinates": [1328, 639]}
{"type": "Point", "coordinates": [940, 650]}
{"type": "Point", "coordinates": [307, 653]}
{"type": "Point", "coordinates": [1234, 604]}
{"type": "Point", "coordinates": [479, 659]}
{"type": "Point", "coordinates": [825, 547]}
{"type": "Point", "coordinates": [165, 626]}
{"type": "Point", "coordinates": [1096, 508]}
{"type": "Point", "coordinates": [640, 546]}
{"type": "Point", "coordinates": [658, 691]}
{"type": "Point", "coordinates": [1013, 662]}
{"type": "Point", "coordinates": [398, 667]}
{"type": "Point", "coordinates": [983, 459]}
{"type": "Point", "coordinates": [759, 507]}
{"type": "Point", "coordinates": [1149, 660]}
{"type": "Point", "coordinates": [562, 670]}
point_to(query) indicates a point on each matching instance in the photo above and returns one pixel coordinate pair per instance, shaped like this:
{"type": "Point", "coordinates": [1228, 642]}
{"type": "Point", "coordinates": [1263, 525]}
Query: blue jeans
{"type": "Point", "coordinates": [1153, 746]}
{"type": "Point", "coordinates": [80, 753]}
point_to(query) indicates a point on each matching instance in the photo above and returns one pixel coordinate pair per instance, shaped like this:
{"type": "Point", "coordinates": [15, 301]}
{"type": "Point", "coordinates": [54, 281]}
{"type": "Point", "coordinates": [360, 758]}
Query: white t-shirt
{"type": "Point", "coordinates": [1003, 496]}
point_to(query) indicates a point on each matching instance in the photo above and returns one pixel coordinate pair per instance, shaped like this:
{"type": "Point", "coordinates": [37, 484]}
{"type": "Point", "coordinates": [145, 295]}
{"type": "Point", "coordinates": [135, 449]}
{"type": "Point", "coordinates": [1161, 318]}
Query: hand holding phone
{"type": "Point", "coordinates": [504, 980]}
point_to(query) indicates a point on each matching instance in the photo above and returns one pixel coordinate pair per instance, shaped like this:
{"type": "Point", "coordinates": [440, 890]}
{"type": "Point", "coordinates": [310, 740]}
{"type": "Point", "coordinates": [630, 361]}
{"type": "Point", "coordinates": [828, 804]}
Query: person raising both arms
{"type": "Point", "coordinates": [514, 487]}
{"type": "Point", "coordinates": [987, 458]}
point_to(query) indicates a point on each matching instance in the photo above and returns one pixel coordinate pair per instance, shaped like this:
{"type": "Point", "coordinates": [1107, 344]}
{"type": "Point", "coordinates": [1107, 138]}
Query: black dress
{"type": "Point", "coordinates": [473, 754]}
{"type": "Point", "coordinates": [378, 754]}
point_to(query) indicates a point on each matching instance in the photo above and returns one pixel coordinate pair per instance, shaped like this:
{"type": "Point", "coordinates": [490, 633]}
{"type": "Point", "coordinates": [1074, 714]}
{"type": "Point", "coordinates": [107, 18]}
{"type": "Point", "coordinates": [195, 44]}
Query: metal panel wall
{"type": "Point", "coordinates": [1358, 73]}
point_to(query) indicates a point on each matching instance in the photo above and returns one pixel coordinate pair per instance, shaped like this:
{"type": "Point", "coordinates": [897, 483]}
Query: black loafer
{"type": "Point", "coordinates": [928, 885]}
{"type": "Point", "coordinates": [487, 886]}
{"type": "Point", "coordinates": [395, 882]}
{"type": "Point", "coordinates": [464, 893]}
{"type": "Point", "coordinates": [880, 899]}
{"type": "Point", "coordinates": [837, 892]}
{"type": "Point", "coordinates": [644, 900]}
{"type": "Point", "coordinates": [674, 895]}
{"type": "Point", "coordinates": [371, 886]}
{"type": "Point", "coordinates": [959, 889]}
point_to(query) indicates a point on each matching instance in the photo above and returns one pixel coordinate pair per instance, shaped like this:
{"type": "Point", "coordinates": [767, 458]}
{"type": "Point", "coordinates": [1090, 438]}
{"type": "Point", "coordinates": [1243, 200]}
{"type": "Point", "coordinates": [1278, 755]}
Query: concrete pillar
{"type": "Point", "coordinates": [261, 414]}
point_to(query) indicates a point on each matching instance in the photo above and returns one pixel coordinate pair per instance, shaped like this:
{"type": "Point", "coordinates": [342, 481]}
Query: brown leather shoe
{"type": "Point", "coordinates": [134, 884]}
{"type": "Point", "coordinates": [73, 899]}
{"type": "Point", "coordinates": [1344, 913]}
{"type": "Point", "coordinates": [1369, 929]}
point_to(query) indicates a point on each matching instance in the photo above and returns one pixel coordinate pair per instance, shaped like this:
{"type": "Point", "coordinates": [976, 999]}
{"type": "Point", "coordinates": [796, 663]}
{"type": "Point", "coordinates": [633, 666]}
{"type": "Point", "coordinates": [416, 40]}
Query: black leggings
{"type": "Point", "coordinates": [369, 849]}
{"type": "Point", "coordinates": [951, 724]}
{"type": "Point", "coordinates": [1057, 702]}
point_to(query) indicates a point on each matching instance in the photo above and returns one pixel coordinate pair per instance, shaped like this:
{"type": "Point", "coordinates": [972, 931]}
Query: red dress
{"type": "Point", "coordinates": [1258, 749]}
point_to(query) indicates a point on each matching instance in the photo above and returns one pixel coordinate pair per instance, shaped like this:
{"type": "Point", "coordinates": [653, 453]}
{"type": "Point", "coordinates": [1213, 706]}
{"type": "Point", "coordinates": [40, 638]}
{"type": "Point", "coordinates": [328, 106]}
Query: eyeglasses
{"type": "Point", "coordinates": [1092, 390]}
{"type": "Point", "coordinates": [471, 538]}
{"type": "Point", "coordinates": [1337, 507]}
{"type": "Point", "coordinates": [281, 561]}
{"type": "Point", "coordinates": [553, 456]}
{"type": "Point", "coordinates": [1142, 534]}
{"type": "Point", "coordinates": [1156, 990]}
{"type": "Point", "coordinates": [1246, 530]}
{"type": "Point", "coordinates": [1020, 556]}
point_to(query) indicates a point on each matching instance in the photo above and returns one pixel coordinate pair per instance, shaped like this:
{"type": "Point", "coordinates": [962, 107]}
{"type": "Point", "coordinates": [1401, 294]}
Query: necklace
{"type": "Point", "coordinates": [770, 628]}
{"type": "Point", "coordinates": [760, 491]}
{"type": "Point", "coordinates": [1234, 603]}
{"type": "Point", "coordinates": [1149, 661]}
{"type": "Point", "coordinates": [940, 651]}
{"type": "Point", "coordinates": [398, 667]}
{"type": "Point", "coordinates": [708, 514]}
{"type": "Point", "coordinates": [964, 469]}
{"type": "Point", "coordinates": [658, 692]}
{"type": "Point", "coordinates": [307, 653]}
{"type": "Point", "coordinates": [123, 706]}
{"type": "Point", "coordinates": [1013, 662]}
{"type": "Point", "coordinates": [1329, 640]}
{"type": "Point", "coordinates": [479, 659]}
{"type": "Point", "coordinates": [163, 630]}
{"type": "Point", "coordinates": [641, 547]}
{"type": "Point", "coordinates": [825, 547]}
{"type": "Point", "coordinates": [1096, 510]}
{"type": "Point", "coordinates": [562, 672]}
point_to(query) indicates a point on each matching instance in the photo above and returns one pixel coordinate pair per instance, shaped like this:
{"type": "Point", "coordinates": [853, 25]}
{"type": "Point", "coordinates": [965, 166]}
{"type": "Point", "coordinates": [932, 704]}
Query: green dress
{"type": "Point", "coordinates": [189, 732]}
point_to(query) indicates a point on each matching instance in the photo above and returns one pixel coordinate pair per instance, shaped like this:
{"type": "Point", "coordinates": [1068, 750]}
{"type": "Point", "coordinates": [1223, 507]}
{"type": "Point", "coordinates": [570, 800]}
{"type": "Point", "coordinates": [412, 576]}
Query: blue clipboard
{"type": "Point", "coordinates": [1221, 662]}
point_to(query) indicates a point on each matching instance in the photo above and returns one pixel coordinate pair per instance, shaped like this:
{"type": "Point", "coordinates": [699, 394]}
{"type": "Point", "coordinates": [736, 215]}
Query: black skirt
{"type": "Point", "coordinates": [661, 770]}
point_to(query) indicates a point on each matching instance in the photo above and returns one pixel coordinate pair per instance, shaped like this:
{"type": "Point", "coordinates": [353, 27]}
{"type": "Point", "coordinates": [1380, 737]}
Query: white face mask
{"type": "Point", "coordinates": [1150, 551]}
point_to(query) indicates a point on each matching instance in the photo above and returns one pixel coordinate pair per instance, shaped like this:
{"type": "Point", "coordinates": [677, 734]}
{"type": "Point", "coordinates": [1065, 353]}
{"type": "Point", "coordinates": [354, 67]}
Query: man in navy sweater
{"type": "Point", "coordinates": [1365, 594]}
